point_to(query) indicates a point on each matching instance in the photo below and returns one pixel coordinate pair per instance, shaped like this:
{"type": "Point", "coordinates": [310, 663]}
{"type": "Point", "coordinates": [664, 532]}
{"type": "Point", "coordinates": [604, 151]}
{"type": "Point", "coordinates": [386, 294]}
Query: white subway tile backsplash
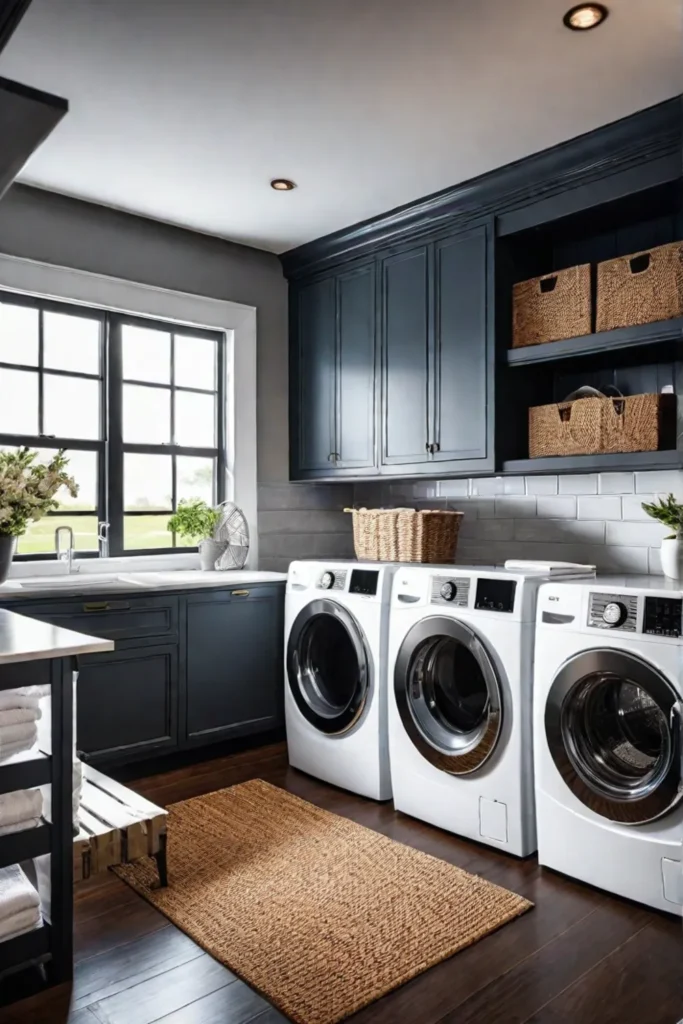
{"type": "Point", "coordinates": [616, 483]}
{"type": "Point", "coordinates": [493, 529]}
{"type": "Point", "coordinates": [603, 507]}
{"type": "Point", "coordinates": [637, 535]}
{"type": "Point", "coordinates": [556, 507]}
{"type": "Point", "coordinates": [614, 558]}
{"type": "Point", "coordinates": [514, 508]}
{"type": "Point", "coordinates": [632, 507]}
{"type": "Point", "coordinates": [454, 488]}
{"type": "Point", "coordinates": [514, 485]}
{"type": "Point", "coordinates": [582, 483]}
{"type": "Point", "coordinates": [488, 486]}
{"type": "Point", "coordinates": [482, 508]}
{"type": "Point", "coordinates": [541, 485]}
{"type": "Point", "coordinates": [655, 561]}
{"type": "Point", "coordinates": [561, 531]}
{"type": "Point", "coordinates": [666, 481]}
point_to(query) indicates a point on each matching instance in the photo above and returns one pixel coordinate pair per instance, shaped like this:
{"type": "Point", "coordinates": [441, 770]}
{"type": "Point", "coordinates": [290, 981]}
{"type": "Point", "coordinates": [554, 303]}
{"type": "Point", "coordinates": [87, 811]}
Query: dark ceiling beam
{"type": "Point", "coordinates": [11, 13]}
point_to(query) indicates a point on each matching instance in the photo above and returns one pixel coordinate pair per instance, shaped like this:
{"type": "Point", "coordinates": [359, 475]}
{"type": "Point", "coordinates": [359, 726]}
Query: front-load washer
{"type": "Point", "coordinates": [461, 647]}
{"type": "Point", "coordinates": [336, 632]}
{"type": "Point", "coordinates": [608, 736]}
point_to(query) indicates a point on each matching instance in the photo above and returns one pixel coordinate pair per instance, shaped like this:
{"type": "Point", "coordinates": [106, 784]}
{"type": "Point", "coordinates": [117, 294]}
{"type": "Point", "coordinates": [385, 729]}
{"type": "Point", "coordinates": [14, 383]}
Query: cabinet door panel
{"type": "Point", "coordinates": [460, 351]}
{"type": "Point", "coordinates": [234, 664]}
{"type": "Point", "coordinates": [356, 369]}
{"type": "Point", "coordinates": [313, 383]}
{"type": "Point", "coordinates": [127, 702]}
{"type": "Point", "coordinates": [405, 357]}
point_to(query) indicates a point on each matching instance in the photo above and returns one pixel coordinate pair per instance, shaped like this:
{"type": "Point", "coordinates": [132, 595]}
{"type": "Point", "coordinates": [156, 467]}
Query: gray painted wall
{"type": "Point", "coordinates": [67, 232]}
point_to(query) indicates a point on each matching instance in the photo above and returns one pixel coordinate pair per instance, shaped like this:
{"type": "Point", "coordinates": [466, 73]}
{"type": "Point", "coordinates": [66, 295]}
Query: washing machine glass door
{"type": "Point", "coordinates": [448, 694]}
{"type": "Point", "coordinates": [613, 727]}
{"type": "Point", "coordinates": [328, 667]}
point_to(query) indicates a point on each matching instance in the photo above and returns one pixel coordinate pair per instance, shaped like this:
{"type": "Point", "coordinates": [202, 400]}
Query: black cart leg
{"type": "Point", "coordinates": [160, 858]}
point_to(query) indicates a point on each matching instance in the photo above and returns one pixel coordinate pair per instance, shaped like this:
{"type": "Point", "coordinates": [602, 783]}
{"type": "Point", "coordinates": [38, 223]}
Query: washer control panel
{"type": "Point", "coordinates": [663, 616]}
{"type": "Point", "coordinates": [613, 611]}
{"type": "Point", "coordinates": [332, 579]}
{"type": "Point", "coordinates": [450, 590]}
{"type": "Point", "coordinates": [495, 595]}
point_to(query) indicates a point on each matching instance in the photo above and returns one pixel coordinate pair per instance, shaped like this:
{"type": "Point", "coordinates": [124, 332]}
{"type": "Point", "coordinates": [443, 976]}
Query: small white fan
{"type": "Point", "coordinates": [233, 531]}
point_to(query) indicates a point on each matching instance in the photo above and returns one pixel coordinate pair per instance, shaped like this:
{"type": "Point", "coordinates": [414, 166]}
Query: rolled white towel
{"type": "Point", "coordinates": [16, 892]}
{"type": "Point", "coordinates": [76, 790]}
{"type": "Point", "coordinates": [10, 749]}
{"type": "Point", "coordinates": [19, 826]}
{"type": "Point", "coordinates": [17, 716]}
{"type": "Point", "coordinates": [16, 699]}
{"type": "Point", "coordinates": [11, 736]}
{"type": "Point", "coordinates": [19, 924]}
{"type": "Point", "coordinates": [20, 805]}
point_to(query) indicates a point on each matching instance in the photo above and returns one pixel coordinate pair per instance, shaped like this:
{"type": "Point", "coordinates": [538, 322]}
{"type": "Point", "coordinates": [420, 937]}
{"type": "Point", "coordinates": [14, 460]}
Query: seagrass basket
{"type": "Point", "coordinates": [590, 423]}
{"type": "Point", "coordinates": [641, 288]}
{"type": "Point", "coordinates": [405, 534]}
{"type": "Point", "coordinates": [552, 307]}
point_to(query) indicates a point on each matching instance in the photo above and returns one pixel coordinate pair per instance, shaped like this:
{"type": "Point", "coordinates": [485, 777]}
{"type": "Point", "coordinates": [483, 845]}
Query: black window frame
{"type": "Point", "coordinates": [111, 447]}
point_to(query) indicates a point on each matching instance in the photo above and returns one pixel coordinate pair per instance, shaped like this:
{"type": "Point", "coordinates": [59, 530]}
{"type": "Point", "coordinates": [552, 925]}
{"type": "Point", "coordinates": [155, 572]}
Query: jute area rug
{"type": "Point", "coordinates": [321, 915]}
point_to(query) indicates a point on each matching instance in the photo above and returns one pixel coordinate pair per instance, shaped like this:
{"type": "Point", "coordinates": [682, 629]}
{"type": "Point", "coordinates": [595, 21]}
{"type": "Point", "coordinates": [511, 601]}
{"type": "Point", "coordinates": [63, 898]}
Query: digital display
{"type": "Point", "coordinates": [663, 616]}
{"type": "Point", "coordinates": [495, 595]}
{"type": "Point", "coordinates": [364, 581]}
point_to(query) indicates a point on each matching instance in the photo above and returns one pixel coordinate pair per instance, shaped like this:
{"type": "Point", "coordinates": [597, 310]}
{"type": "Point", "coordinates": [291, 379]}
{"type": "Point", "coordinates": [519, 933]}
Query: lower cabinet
{"type": "Point", "coordinates": [127, 703]}
{"type": "Point", "coordinates": [234, 674]}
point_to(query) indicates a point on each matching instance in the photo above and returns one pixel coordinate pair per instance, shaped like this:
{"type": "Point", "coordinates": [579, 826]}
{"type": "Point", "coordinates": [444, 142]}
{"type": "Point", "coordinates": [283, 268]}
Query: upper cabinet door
{"type": "Point", "coordinates": [461, 401]}
{"type": "Point", "coordinates": [312, 377]}
{"type": "Point", "coordinates": [405, 358]}
{"type": "Point", "coordinates": [356, 316]}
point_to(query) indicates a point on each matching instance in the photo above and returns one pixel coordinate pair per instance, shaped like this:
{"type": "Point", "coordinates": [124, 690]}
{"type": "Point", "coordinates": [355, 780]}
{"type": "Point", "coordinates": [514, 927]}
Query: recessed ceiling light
{"type": "Point", "coordinates": [282, 184]}
{"type": "Point", "coordinates": [585, 16]}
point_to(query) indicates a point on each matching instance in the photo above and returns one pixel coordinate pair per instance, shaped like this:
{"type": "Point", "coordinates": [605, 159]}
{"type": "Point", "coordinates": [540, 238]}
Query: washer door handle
{"type": "Point", "coordinates": [677, 713]}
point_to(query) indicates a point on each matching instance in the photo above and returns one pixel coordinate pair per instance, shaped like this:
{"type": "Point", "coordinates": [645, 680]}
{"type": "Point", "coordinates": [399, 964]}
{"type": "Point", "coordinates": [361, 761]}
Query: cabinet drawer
{"type": "Point", "coordinates": [114, 618]}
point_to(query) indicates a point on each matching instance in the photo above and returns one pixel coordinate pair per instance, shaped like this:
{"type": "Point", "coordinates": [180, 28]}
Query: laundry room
{"type": "Point", "coordinates": [341, 512]}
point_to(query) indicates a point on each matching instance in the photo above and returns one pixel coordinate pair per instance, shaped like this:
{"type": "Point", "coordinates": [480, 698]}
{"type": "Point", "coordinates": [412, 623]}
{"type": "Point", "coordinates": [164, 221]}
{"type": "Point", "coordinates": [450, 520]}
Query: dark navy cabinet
{"type": "Point", "coordinates": [234, 663]}
{"type": "Point", "coordinates": [189, 668]}
{"type": "Point", "coordinates": [332, 374]}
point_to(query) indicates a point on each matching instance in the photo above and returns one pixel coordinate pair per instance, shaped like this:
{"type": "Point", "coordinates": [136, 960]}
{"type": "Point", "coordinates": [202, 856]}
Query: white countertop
{"type": "Point", "coordinates": [140, 583]}
{"type": "Point", "coordinates": [25, 639]}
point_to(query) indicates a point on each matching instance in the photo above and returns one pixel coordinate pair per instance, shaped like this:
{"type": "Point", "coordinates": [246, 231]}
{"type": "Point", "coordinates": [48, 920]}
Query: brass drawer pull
{"type": "Point", "coordinates": [96, 606]}
{"type": "Point", "coordinates": [240, 593]}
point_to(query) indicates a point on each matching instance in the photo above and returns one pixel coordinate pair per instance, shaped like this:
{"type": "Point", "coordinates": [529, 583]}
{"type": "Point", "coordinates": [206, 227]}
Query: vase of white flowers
{"type": "Point", "coordinates": [27, 493]}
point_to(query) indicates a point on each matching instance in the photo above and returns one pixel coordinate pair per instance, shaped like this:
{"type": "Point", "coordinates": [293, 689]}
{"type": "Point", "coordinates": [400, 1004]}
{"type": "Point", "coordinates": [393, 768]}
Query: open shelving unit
{"type": "Point", "coordinates": [645, 358]}
{"type": "Point", "coordinates": [49, 947]}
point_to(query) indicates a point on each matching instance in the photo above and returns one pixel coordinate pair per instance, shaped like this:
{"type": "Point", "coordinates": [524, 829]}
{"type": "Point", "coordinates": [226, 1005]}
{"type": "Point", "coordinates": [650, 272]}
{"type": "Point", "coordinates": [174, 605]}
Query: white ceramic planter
{"type": "Point", "coordinates": [209, 552]}
{"type": "Point", "coordinates": [672, 558]}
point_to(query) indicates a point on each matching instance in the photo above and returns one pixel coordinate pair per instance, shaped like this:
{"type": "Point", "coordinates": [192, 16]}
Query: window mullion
{"type": "Point", "coordinates": [115, 437]}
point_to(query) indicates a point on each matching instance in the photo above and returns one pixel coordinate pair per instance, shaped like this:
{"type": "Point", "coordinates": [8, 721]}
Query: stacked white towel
{"type": "Point", "coordinates": [19, 716]}
{"type": "Point", "coordinates": [19, 904]}
{"type": "Point", "coordinates": [20, 810]}
{"type": "Point", "coordinates": [76, 790]}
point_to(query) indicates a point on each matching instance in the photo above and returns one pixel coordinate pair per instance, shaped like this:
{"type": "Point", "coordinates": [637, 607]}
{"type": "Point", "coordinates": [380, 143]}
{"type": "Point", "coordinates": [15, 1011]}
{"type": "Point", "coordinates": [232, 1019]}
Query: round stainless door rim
{"type": "Point", "coordinates": [448, 695]}
{"type": "Point", "coordinates": [328, 666]}
{"type": "Point", "coordinates": [614, 733]}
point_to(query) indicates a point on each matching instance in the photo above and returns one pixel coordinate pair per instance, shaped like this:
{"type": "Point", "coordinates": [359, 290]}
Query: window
{"type": "Point", "coordinates": [139, 405]}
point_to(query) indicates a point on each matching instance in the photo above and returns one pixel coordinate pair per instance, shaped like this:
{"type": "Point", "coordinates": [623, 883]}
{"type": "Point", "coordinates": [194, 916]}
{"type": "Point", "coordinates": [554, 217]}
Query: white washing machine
{"type": "Point", "coordinates": [460, 665]}
{"type": "Point", "coordinates": [608, 735]}
{"type": "Point", "coordinates": [336, 632]}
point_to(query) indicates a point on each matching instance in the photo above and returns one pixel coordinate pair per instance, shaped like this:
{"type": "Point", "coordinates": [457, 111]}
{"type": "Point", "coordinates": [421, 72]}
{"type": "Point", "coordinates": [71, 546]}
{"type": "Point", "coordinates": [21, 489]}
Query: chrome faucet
{"type": "Point", "coordinates": [65, 556]}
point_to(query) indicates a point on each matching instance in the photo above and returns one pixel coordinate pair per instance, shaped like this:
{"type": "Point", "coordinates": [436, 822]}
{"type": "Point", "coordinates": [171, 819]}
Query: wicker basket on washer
{"type": "Point", "coordinates": [405, 534]}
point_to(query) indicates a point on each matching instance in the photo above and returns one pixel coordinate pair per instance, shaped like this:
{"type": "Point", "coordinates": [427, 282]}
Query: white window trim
{"type": "Point", "coordinates": [237, 320]}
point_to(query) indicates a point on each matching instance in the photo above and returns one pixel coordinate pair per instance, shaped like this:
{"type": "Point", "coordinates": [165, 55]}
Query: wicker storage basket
{"type": "Point", "coordinates": [405, 534]}
{"type": "Point", "coordinates": [552, 307]}
{"type": "Point", "coordinates": [591, 424]}
{"type": "Point", "coordinates": [641, 288]}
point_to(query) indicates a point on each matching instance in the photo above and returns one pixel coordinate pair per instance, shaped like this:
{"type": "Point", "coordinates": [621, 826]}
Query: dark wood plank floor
{"type": "Point", "coordinates": [580, 957]}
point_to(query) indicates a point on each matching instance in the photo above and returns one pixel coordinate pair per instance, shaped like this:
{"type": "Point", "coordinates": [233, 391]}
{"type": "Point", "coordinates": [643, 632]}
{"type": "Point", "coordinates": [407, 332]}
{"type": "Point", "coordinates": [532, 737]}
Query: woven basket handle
{"type": "Point", "coordinates": [640, 263]}
{"type": "Point", "coordinates": [564, 408]}
{"type": "Point", "coordinates": [547, 284]}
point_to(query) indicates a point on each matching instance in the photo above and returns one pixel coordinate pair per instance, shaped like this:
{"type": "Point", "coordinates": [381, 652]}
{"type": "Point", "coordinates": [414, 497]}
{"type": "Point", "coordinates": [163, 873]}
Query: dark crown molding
{"type": "Point", "coordinates": [640, 138]}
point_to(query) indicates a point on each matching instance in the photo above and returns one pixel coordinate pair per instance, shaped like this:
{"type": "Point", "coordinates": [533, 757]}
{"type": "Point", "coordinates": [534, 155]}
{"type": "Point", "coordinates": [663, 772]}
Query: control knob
{"type": "Point", "coordinates": [449, 591]}
{"type": "Point", "coordinates": [614, 614]}
{"type": "Point", "coordinates": [327, 580]}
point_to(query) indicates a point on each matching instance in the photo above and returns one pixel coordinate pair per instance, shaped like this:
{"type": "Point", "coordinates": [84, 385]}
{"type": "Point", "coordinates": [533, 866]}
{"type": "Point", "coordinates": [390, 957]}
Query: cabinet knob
{"type": "Point", "coordinates": [436, 447]}
{"type": "Point", "coordinates": [333, 456]}
{"type": "Point", "coordinates": [428, 447]}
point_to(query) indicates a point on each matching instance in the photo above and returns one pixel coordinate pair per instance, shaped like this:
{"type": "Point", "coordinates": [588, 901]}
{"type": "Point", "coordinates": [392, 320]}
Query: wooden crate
{"type": "Point", "coordinates": [116, 826]}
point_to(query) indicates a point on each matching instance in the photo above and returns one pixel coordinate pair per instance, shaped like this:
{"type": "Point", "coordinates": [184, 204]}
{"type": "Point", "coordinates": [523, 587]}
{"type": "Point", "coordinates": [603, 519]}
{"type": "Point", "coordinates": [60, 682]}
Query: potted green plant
{"type": "Point", "coordinates": [669, 512]}
{"type": "Point", "coordinates": [196, 521]}
{"type": "Point", "coordinates": [27, 493]}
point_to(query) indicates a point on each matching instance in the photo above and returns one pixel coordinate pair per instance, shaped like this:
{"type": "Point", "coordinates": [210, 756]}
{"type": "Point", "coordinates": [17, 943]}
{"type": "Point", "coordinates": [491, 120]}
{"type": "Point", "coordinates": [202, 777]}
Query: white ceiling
{"type": "Point", "coordinates": [184, 110]}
